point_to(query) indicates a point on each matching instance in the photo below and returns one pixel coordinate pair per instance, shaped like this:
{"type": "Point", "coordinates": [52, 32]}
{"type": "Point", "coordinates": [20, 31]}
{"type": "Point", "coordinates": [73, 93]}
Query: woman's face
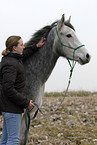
{"type": "Point", "coordinates": [19, 48]}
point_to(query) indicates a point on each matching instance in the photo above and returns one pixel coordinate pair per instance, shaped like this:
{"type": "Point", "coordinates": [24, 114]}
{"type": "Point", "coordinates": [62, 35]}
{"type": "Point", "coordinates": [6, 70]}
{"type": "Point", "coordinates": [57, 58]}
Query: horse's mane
{"type": "Point", "coordinates": [43, 32]}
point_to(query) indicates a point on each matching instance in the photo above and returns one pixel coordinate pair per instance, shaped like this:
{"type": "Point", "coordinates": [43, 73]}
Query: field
{"type": "Point", "coordinates": [74, 122]}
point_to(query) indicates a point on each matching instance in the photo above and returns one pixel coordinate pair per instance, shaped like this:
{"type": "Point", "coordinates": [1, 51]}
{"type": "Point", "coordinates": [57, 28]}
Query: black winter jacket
{"type": "Point", "coordinates": [12, 81]}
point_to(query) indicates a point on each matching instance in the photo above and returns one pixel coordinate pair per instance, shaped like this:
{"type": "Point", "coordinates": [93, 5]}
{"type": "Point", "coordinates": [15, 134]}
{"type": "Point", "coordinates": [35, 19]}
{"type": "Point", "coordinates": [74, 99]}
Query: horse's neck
{"type": "Point", "coordinates": [40, 65]}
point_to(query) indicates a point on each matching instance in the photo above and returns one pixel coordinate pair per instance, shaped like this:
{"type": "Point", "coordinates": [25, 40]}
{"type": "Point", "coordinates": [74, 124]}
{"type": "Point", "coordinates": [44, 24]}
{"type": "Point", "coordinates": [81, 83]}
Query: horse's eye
{"type": "Point", "coordinates": [69, 35]}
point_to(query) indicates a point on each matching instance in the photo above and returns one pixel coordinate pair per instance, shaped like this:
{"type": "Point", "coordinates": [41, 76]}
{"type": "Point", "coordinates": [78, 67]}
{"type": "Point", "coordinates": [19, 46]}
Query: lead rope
{"type": "Point", "coordinates": [69, 81]}
{"type": "Point", "coordinates": [28, 119]}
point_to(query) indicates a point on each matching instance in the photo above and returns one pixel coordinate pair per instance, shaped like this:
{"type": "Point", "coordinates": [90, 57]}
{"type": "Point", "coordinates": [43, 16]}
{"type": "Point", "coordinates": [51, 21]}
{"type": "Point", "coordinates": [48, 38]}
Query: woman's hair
{"type": "Point", "coordinates": [10, 42]}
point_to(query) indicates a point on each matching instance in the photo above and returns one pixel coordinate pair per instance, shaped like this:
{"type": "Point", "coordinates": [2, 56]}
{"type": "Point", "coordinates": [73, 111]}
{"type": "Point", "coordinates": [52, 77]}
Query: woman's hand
{"type": "Point", "coordinates": [30, 105]}
{"type": "Point", "coordinates": [41, 42]}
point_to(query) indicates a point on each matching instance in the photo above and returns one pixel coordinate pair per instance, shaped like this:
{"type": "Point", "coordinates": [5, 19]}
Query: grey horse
{"type": "Point", "coordinates": [61, 40]}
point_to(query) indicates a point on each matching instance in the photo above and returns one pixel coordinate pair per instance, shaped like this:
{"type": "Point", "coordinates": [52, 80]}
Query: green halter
{"type": "Point", "coordinates": [73, 63]}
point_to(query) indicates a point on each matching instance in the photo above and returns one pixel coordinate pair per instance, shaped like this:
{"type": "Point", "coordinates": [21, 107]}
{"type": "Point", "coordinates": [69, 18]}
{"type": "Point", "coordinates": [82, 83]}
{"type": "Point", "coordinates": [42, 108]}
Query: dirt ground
{"type": "Point", "coordinates": [74, 123]}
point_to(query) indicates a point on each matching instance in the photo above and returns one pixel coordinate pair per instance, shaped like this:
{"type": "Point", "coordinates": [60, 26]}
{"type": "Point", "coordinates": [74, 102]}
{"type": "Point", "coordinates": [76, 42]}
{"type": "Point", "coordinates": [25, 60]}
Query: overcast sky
{"type": "Point", "coordinates": [24, 17]}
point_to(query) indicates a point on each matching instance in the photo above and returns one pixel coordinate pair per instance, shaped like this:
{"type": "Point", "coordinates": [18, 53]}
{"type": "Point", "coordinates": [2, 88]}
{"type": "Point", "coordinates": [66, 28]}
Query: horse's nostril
{"type": "Point", "coordinates": [87, 56]}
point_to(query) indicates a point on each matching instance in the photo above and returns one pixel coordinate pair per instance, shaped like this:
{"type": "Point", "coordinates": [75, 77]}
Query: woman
{"type": "Point", "coordinates": [12, 80]}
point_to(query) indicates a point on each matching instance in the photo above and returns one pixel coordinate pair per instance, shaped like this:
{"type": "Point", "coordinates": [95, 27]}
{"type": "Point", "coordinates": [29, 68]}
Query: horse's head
{"type": "Point", "coordinates": [67, 44]}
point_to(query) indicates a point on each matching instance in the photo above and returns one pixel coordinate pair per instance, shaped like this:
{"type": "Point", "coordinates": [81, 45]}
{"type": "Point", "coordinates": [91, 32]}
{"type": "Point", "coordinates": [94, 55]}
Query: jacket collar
{"type": "Point", "coordinates": [15, 55]}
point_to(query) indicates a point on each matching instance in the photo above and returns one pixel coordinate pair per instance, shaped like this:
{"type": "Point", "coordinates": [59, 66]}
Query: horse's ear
{"type": "Point", "coordinates": [61, 22]}
{"type": "Point", "coordinates": [69, 19]}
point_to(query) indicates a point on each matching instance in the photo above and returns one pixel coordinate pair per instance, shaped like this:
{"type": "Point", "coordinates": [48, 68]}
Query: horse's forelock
{"type": "Point", "coordinates": [69, 25]}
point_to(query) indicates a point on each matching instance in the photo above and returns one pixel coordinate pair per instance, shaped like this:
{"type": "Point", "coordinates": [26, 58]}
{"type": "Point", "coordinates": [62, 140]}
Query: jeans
{"type": "Point", "coordinates": [11, 129]}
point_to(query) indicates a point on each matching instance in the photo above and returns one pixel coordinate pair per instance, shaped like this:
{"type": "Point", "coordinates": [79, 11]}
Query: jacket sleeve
{"type": "Point", "coordinates": [9, 76]}
{"type": "Point", "coordinates": [28, 51]}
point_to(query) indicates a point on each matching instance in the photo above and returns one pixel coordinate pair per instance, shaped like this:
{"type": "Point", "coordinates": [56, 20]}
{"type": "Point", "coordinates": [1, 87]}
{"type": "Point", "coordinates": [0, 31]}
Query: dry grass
{"type": "Point", "coordinates": [74, 123]}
